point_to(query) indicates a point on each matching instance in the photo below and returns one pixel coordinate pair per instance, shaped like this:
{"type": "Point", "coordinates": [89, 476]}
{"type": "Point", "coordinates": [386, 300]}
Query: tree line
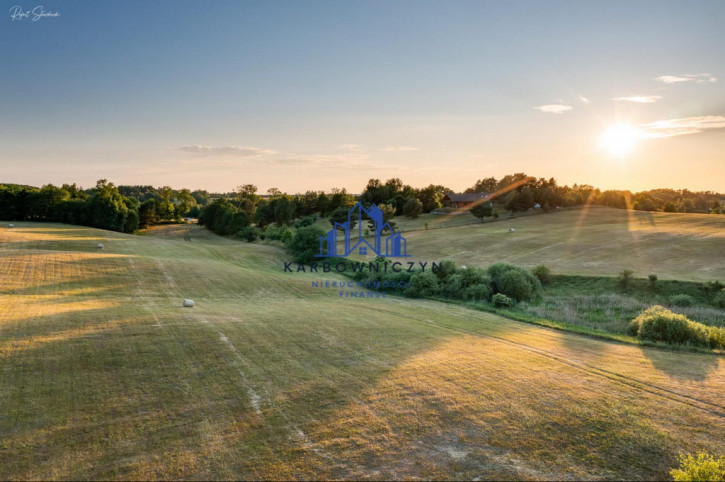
{"type": "Point", "coordinates": [127, 208]}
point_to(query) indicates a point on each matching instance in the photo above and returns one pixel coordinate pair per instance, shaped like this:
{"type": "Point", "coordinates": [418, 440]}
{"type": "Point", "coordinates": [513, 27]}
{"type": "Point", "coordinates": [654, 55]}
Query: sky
{"type": "Point", "coordinates": [309, 95]}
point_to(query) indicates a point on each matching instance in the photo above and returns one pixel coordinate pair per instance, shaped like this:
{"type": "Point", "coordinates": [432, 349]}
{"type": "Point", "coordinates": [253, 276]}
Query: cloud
{"type": "Point", "coordinates": [642, 99]}
{"type": "Point", "coordinates": [584, 99]}
{"type": "Point", "coordinates": [399, 149]}
{"type": "Point", "coordinates": [697, 78]}
{"type": "Point", "coordinates": [681, 127]}
{"type": "Point", "coordinates": [352, 147]}
{"type": "Point", "coordinates": [554, 108]}
{"type": "Point", "coordinates": [231, 151]}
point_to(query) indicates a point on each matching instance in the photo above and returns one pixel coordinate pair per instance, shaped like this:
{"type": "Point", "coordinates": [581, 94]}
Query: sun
{"type": "Point", "coordinates": [620, 139]}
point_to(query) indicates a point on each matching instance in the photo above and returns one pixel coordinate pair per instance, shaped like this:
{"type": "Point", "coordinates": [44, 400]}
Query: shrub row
{"type": "Point", "coordinates": [657, 323]}
{"type": "Point", "coordinates": [469, 284]}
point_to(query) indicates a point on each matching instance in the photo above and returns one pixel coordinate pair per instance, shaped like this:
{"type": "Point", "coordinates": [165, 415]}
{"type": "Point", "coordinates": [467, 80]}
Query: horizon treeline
{"type": "Point", "coordinates": [128, 208]}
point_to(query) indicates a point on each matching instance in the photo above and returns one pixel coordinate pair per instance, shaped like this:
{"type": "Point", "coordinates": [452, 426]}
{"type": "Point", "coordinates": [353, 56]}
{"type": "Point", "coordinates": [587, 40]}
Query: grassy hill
{"type": "Point", "coordinates": [105, 375]}
{"type": "Point", "coordinates": [590, 241]}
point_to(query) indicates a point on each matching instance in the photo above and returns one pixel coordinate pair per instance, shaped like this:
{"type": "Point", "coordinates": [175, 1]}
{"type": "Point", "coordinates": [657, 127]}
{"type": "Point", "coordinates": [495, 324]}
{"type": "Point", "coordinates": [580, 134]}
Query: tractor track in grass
{"type": "Point", "coordinates": [703, 405]}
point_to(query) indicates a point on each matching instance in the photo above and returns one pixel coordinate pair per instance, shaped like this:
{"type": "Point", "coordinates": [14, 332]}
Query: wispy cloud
{"type": "Point", "coordinates": [681, 127]}
{"type": "Point", "coordinates": [584, 99]}
{"type": "Point", "coordinates": [554, 108]}
{"type": "Point", "coordinates": [398, 149]}
{"type": "Point", "coordinates": [352, 147]}
{"type": "Point", "coordinates": [231, 151]}
{"type": "Point", "coordinates": [642, 99]}
{"type": "Point", "coordinates": [697, 78]}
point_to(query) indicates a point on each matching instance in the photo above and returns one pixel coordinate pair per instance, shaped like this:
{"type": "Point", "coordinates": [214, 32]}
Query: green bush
{"type": "Point", "coordinates": [543, 273]}
{"type": "Point", "coordinates": [447, 267]}
{"type": "Point", "coordinates": [305, 245]}
{"type": "Point", "coordinates": [657, 323]}
{"type": "Point", "coordinates": [453, 286]}
{"type": "Point", "coordinates": [247, 233]}
{"type": "Point", "coordinates": [306, 221]}
{"type": "Point", "coordinates": [702, 467]}
{"type": "Point", "coordinates": [682, 300]}
{"type": "Point", "coordinates": [514, 282]}
{"type": "Point", "coordinates": [515, 285]}
{"type": "Point", "coordinates": [480, 292]}
{"type": "Point", "coordinates": [719, 300]}
{"type": "Point", "coordinates": [625, 278]}
{"type": "Point", "coordinates": [422, 284]}
{"type": "Point", "coordinates": [501, 300]}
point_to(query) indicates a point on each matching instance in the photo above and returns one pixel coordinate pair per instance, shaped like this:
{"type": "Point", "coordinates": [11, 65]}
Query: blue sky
{"type": "Point", "coordinates": [310, 95]}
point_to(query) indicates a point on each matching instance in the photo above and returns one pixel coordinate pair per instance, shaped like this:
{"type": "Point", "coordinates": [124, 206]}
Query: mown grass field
{"type": "Point", "coordinates": [592, 240]}
{"type": "Point", "coordinates": [104, 375]}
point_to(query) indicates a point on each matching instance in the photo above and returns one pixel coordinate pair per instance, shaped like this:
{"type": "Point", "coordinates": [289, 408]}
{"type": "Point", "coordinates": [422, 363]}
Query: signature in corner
{"type": "Point", "coordinates": [17, 13]}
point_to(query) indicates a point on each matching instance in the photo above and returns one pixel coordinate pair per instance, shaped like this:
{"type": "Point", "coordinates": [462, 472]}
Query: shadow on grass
{"type": "Point", "coordinates": [686, 366]}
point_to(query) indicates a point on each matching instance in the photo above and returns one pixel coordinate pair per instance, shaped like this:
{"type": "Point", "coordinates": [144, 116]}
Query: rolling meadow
{"type": "Point", "coordinates": [105, 375]}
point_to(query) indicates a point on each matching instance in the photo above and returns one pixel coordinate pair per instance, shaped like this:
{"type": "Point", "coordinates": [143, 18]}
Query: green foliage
{"type": "Point", "coordinates": [422, 284]}
{"type": "Point", "coordinates": [514, 284]}
{"type": "Point", "coordinates": [339, 216]}
{"type": "Point", "coordinates": [652, 281]}
{"type": "Point", "coordinates": [543, 273]}
{"type": "Point", "coordinates": [501, 300]}
{"type": "Point", "coordinates": [703, 467]}
{"type": "Point", "coordinates": [446, 268]}
{"type": "Point", "coordinates": [305, 245]}
{"type": "Point", "coordinates": [513, 281]}
{"type": "Point", "coordinates": [625, 279]}
{"type": "Point", "coordinates": [248, 233]}
{"type": "Point", "coordinates": [276, 233]}
{"type": "Point", "coordinates": [482, 210]}
{"type": "Point", "coordinates": [682, 300]}
{"type": "Point", "coordinates": [306, 221]}
{"type": "Point", "coordinates": [413, 208]}
{"type": "Point", "coordinates": [660, 324]}
{"type": "Point", "coordinates": [719, 300]}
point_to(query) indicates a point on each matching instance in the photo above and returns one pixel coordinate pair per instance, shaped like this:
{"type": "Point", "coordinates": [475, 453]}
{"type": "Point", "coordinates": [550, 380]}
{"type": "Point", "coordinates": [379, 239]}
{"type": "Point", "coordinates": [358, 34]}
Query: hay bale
{"type": "Point", "coordinates": [512, 230]}
{"type": "Point", "coordinates": [188, 304]}
{"type": "Point", "coordinates": [11, 225]}
{"type": "Point", "coordinates": [99, 246]}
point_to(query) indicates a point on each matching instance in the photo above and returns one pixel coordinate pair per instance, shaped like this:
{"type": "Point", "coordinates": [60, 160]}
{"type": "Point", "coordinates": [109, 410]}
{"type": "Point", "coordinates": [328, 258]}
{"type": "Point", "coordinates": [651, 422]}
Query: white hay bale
{"type": "Point", "coordinates": [99, 246]}
{"type": "Point", "coordinates": [512, 230]}
{"type": "Point", "coordinates": [188, 304]}
{"type": "Point", "coordinates": [11, 225]}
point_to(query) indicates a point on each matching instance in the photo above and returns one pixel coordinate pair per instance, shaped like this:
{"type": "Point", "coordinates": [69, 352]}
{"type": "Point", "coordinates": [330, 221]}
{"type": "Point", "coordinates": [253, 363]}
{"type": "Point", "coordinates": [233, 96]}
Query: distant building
{"type": "Point", "coordinates": [462, 200]}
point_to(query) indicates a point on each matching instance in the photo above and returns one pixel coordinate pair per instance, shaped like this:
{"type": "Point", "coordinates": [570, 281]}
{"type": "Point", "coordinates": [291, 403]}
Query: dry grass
{"type": "Point", "coordinates": [589, 241]}
{"type": "Point", "coordinates": [104, 375]}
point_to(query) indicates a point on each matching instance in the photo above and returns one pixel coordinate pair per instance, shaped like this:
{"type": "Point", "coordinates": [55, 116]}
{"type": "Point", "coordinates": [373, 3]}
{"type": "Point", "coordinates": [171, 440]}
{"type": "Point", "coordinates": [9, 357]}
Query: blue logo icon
{"type": "Point", "coordinates": [393, 245]}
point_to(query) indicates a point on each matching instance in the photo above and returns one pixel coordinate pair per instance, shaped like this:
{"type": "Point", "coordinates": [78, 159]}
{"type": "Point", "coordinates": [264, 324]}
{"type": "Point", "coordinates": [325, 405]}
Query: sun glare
{"type": "Point", "coordinates": [619, 140]}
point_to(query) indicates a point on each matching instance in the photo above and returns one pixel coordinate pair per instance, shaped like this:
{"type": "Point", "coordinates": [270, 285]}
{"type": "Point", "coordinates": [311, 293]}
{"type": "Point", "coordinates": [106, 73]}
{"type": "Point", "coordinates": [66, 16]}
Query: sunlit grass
{"type": "Point", "coordinates": [104, 375]}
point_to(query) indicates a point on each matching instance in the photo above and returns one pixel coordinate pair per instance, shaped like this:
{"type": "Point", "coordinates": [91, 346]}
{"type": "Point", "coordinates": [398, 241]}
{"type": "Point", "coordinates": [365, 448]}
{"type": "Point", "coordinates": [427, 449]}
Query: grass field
{"type": "Point", "coordinates": [105, 375]}
{"type": "Point", "coordinates": [589, 241]}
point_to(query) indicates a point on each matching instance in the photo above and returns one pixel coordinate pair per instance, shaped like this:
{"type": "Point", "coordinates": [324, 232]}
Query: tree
{"type": "Point", "coordinates": [322, 204]}
{"type": "Point", "coordinates": [388, 213]}
{"type": "Point", "coordinates": [264, 214]}
{"type": "Point", "coordinates": [306, 244]}
{"type": "Point", "coordinates": [185, 202]}
{"type": "Point", "coordinates": [246, 198]}
{"type": "Point", "coordinates": [339, 216]}
{"type": "Point", "coordinates": [413, 208]}
{"type": "Point", "coordinates": [520, 201]}
{"type": "Point", "coordinates": [284, 210]}
{"type": "Point", "coordinates": [431, 197]}
{"type": "Point", "coordinates": [487, 185]}
{"type": "Point", "coordinates": [147, 213]}
{"type": "Point", "coordinates": [482, 210]}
